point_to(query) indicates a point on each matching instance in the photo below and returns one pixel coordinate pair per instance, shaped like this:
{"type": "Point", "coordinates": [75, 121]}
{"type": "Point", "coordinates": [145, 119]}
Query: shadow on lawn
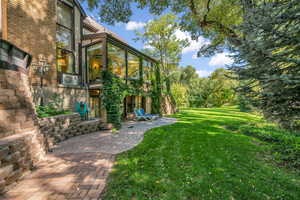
{"type": "Point", "coordinates": [199, 158]}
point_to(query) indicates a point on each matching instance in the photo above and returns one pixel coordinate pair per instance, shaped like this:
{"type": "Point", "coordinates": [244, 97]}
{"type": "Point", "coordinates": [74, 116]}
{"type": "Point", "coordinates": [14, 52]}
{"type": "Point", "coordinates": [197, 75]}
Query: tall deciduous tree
{"type": "Point", "coordinates": [159, 35]}
{"type": "Point", "coordinates": [188, 74]}
{"type": "Point", "coordinates": [214, 91]}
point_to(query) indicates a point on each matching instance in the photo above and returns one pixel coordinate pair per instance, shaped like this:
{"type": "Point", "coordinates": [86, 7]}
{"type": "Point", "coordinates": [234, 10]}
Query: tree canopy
{"type": "Point", "coordinates": [213, 19]}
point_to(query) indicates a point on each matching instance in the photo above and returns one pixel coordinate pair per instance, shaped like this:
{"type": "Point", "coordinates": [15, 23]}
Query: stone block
{"type": "Point", "coordinates": [28, 124]}
{"type": "Point", "coordinates": [6, 171]}
{"type": "Point", "coordinates": [2, 182]}
{"type": "Point", "coordinates": [4, 151]}
{"type": "Point", "coordinates": [14, 176]}
{"type": "Point", "coordinates": [7, 92]}
{"type": "Point", "coordinates": [15, 157]}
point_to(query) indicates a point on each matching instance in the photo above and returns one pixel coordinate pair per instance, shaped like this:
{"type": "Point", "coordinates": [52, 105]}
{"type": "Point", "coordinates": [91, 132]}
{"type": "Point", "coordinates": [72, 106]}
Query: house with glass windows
{"type": "Point", "coordinates": [76, 49]}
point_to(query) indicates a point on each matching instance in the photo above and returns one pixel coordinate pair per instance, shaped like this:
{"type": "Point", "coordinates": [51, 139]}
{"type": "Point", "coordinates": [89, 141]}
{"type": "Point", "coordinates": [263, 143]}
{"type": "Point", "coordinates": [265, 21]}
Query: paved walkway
{"type": "Point", "coordinates": [78, 167]}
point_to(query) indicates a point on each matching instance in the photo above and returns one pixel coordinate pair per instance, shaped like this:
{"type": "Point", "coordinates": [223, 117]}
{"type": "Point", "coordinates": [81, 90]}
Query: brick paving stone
{"type": "Point", "coordinates": [130, 135]}
{"type": "Point", "coordinates": [78, 168]}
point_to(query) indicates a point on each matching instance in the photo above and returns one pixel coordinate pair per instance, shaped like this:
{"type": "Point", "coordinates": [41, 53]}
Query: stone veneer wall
{"type": "Point", "coordinates": [59, 128]}
{"type": "Point", "coordinates": [21, 144]}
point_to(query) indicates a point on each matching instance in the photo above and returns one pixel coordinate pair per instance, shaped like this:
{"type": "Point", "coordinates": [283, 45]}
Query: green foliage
{"type": "Point", "coordinates": [114, 91]}
{"type": "Point", "coordinates": [49, 111]}
{"type": "Point", "coordinates": [160, 35]}
{"type": "Point", "coordinates": [156, 91]}
{"type": "Point", "coordinates": [198, 158]}
{"type": "Point", "coordinates": [167, 48]}
{"type": "Point", "coordinates": [52, 108]}
{"type": "Point", "coordinates": [180, 94]}
{"type": "Point", "coordinates": [268, 60]}
{"type": "Point", "coordinates": [244, 104]}
{"type": "Point", "coordinates": [198, 17]}
{"type": "Point", "coordinates": [187, 75]}
{"type": "Point", "coordinates": [214, 91]}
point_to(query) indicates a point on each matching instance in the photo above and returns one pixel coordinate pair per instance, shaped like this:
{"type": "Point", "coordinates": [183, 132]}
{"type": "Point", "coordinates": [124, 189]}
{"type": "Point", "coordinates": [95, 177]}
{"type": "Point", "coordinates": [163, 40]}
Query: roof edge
{"type": "Point", "coordinates": [82, 11]}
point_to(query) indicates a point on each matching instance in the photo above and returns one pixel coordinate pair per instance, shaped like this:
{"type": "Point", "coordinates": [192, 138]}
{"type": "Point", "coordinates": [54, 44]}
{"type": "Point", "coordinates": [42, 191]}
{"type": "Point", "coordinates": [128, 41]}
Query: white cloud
{"type": "Point", "coordinates": [195, 56]}
{"type": "Point", "coordinates": [132, 25]}
{"type": "Point", "coordinates": [203, 73]}
{"type": "Point", "coordinates": [194, 44]}
{"type": "Point", "coordinates": [147, 46]}
{"type": "Point", "coordinates": [220, 60]}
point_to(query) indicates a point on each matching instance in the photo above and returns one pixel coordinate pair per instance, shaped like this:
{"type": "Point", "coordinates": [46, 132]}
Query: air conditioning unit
{"type": "Point", "coordinates": [69, 79]}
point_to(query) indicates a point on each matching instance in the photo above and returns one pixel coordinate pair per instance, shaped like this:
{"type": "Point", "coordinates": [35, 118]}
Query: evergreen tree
{"type": "Point", "coordinates": [268, 60]}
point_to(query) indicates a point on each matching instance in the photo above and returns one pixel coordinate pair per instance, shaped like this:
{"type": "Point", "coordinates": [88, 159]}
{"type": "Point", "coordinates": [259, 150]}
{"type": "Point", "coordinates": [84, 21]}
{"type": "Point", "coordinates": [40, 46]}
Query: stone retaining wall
{"type": "Point", "coordinates": [59, 128]}
{"type": "Point", "coordinates": [17, 156]}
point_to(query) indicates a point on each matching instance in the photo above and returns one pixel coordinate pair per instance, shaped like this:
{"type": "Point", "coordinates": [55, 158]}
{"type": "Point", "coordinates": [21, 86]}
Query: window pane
{"type": "Point", "coordinates": [95, 62]}
{"type": "Point", "coordinates": [63, 38]}
{"type": "Point", "coordinates": [133, 66]}
{"type": "Point", "coordinates": [65, 61]}
{"type": "Point", "coordinates": [116, 60]}
{"type": "Point", "coordinates": [64, 15]}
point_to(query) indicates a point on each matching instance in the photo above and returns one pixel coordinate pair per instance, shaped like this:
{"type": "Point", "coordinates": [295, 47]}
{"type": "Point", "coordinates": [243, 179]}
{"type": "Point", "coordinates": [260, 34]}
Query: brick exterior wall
{"type": "Point", "coordinates": [32, 28]}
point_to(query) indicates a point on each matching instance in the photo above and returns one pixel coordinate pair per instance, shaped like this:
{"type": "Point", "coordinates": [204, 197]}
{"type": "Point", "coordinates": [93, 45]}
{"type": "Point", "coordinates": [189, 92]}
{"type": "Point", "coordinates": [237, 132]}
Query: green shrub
{"type": "Point", "coordinates": [48, 111]}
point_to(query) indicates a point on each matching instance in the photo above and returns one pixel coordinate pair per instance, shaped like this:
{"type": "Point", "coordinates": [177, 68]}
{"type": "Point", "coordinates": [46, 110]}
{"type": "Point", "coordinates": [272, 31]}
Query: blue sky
{"type": "Point", "coordinates": [203, 65]}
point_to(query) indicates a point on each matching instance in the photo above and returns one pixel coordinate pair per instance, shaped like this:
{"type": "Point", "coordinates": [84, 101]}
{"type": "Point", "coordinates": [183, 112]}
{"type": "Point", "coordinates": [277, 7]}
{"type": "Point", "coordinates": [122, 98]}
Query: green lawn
{"type": "Point", "coordinates": [202, 156]}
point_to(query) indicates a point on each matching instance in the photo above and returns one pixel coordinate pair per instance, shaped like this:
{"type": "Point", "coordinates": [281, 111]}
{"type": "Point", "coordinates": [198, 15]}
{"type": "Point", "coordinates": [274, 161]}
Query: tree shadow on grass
{"type": "Point", "coordinates": [197, 158]}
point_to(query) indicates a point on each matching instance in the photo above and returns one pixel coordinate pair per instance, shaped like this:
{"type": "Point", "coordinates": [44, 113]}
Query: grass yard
{"type": "Point", "coordinates": [207, 154]}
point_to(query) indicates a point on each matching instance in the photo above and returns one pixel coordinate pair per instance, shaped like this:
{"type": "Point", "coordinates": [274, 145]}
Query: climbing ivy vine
{"type": "Point", "coordinates": [112, 97]}
{"type": "Point", "coordinates": [156, 90]}
{"type": "Point", "coordinates": [114, 91]}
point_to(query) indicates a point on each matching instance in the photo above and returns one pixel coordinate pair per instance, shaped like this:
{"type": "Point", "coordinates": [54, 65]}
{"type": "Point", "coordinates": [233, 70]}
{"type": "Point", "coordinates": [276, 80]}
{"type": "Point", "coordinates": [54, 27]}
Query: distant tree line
{"type": "Point", "coordinates": [216, 90]}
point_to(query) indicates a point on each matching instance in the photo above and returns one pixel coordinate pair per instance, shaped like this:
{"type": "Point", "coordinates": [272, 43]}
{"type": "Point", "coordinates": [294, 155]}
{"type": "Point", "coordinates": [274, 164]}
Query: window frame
{"type": "Point", "coordinates": [139, 68]}
{"type": "Point", "coordinates": [86, 60]}
{"type": "Point", "coordinates": [125, 57]}
{"type": "Point", "coordinates": [72, 30]}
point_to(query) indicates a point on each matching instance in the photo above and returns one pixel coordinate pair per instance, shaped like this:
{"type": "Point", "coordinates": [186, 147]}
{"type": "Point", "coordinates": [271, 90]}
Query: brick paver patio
{"type": "Point", "coordinates": [78, 168]}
